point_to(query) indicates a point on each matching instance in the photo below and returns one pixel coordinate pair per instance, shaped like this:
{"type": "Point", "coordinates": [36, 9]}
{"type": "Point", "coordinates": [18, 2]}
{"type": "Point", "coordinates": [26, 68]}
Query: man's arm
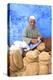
{"type": "Point", "coordinates": [39, 35]}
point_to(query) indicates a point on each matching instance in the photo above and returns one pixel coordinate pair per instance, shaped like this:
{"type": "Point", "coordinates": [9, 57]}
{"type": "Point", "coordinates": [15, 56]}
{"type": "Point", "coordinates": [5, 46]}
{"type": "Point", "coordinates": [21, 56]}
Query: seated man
{"type": "Point", "coordinates": [31, 32]}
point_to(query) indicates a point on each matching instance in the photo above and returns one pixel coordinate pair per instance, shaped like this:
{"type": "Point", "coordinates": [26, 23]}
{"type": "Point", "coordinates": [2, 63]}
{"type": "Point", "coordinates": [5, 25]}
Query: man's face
{"type": "Point", "coordinates": [32, 22]}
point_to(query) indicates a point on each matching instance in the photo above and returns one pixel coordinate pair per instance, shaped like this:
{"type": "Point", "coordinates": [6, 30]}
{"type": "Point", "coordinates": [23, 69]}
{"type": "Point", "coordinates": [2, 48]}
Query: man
{"type": "Point", "coordinates": [31, 36]}
{"type": "Point", "coordinates": [31, 32]}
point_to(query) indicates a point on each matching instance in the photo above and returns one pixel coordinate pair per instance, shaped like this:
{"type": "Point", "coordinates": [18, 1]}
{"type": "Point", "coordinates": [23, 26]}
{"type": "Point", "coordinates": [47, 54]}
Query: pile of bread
{"type": "Point", "coordinates": [36, 61]}
{"type": "Point", "coordinates": [15, 59]}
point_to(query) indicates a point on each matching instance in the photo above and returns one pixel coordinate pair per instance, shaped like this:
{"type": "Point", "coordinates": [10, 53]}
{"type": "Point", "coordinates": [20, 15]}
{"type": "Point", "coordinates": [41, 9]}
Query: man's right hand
{"type": "Point", "coordinates": [34, 41]}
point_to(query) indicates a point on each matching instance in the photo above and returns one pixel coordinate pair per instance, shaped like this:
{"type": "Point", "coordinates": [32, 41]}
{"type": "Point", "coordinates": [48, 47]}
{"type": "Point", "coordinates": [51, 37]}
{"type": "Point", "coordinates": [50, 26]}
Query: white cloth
{"type": "Point", "coordinates": [24, 45]}
{"type": "Point", "coordinates": [32, 17]}
{"type": "Point", "coordinates": [21, 44]}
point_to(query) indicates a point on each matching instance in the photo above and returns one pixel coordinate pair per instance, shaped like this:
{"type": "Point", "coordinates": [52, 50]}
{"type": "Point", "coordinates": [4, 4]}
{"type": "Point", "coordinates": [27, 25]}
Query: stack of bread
{"type": "Point", "coordinates": [44, 61]}
{"type": "Point", "coordinates": [31, 62]}
{"type": "Point", "coordinates": [40, 59]}
{"type": "Point", "coordinates": [31, 56]}
{"type": "Point", "coordinates": [15, 59]}
{"type": "Point", "coordinates": [36, 61]}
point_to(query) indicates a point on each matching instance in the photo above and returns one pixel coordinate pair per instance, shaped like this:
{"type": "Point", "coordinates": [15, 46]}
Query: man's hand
{"type": "Point", "coordinates": [34, 41]}
{"type": "Point", "coordinates": [39, 38]}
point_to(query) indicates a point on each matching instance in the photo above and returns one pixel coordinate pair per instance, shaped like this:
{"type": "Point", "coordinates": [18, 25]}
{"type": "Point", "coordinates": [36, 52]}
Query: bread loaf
{"type": "Point", "coordinates": [32, 54]}
{"type": "Point", "coordinates": [17, 58]}
{"type": "Point", "coordinates": [44, 56]}
{"type": "Point", "coordinates": [26, 60]}
{"type": "Point", "coordinates": [31, 69]}
{"type": "Point", "coordinates": [12, 65]}
{"type": "Point", "coordinates": [16, 61]}
{"type": "Point", "coordinates": [41, 47]}
{"type": "Point", "coordinates": [43, 69]}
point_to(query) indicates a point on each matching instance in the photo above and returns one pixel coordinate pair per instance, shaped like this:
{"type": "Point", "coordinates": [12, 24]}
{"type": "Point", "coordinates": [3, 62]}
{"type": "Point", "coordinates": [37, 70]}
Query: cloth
{"type": "Point", "coordinates": [21, 44]}
{"type": "Point", "coordinates": [25, 46]}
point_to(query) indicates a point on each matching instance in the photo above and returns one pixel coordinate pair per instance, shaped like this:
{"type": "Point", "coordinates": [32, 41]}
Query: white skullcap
{"type": "Point", "coordinates": [32, 17]}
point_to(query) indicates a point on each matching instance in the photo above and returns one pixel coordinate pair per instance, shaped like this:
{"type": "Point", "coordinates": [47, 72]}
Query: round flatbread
{"type": "Point", "coordinates": [32, 54]}
{"type": "Point", "coordinates": [25, 62]}
{"type": "Point", "coordinates": [36, 51]}
{"type": "Point", "coordinates": [43, 69]}
{"type": "Point", "coordinates": [44, 56]}
{"type": "Point", "coordinates": [17, 58]}
{"type": "Point", "coordinates": [31, 60]}
{"type": "Point", "coordinates": [12, 66]}
{"type": "Point", "coordinates": [31, 69]}
{"type": "Point", "coordinates": [44, 62]}
{"type": "Point", "coordinates": [41, 46]}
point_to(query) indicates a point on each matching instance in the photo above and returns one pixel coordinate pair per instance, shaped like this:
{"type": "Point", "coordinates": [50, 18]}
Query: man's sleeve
{"type": "Point", "coordinates": [25, 36]}
{"type": "Point", "coordinates": [39, 34]}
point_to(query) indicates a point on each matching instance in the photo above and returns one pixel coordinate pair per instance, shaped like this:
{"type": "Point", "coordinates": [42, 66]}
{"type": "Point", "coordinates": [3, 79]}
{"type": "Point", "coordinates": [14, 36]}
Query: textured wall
{"type": "Point", "coordinates": [18, 16]}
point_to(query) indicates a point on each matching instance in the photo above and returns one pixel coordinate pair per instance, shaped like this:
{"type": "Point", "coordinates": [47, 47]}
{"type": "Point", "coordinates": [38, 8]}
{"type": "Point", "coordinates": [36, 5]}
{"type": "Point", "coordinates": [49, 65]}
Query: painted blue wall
{"type": "Point", "coordinates": [18, 17]}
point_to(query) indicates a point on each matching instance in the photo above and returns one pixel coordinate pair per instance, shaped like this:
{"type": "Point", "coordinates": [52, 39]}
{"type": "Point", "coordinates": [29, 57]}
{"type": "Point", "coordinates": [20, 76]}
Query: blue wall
{"type": "Point", "coordinates": [18, 17]}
